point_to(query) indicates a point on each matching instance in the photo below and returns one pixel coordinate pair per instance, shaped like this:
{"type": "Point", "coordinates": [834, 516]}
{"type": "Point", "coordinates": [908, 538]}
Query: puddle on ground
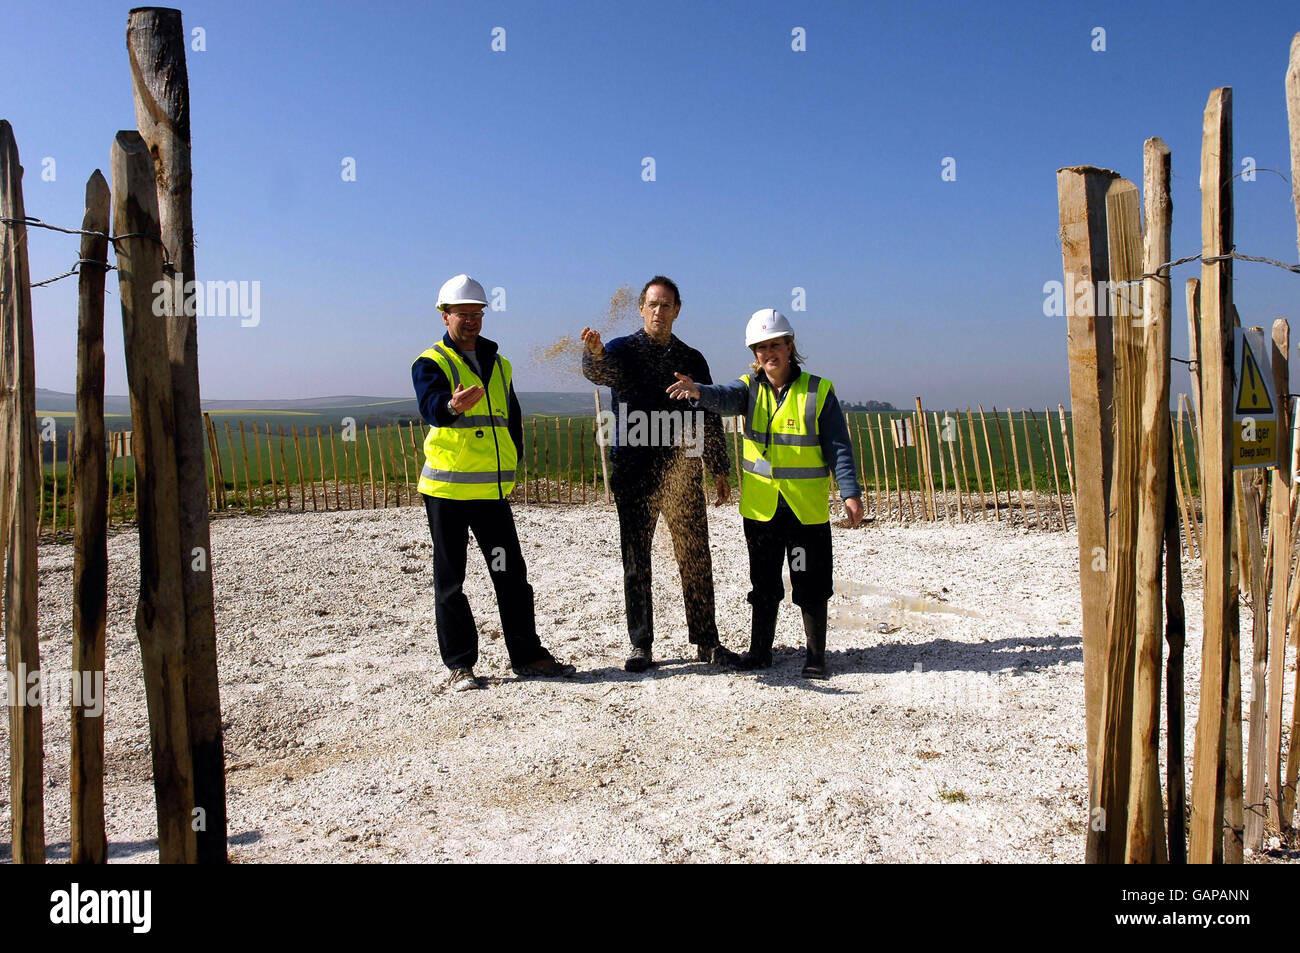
{"type": "Point", "coordinates": [853, 616]}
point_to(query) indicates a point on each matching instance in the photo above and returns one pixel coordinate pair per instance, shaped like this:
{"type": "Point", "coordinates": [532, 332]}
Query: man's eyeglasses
{"type": "Point", "coordinates": [467, 314]}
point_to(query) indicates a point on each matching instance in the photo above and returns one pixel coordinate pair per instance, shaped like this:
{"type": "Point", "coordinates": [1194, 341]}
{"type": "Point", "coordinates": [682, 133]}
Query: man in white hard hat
{"type": "Point", "coordinates": [466, 396]}
{"type": "Point", "coordinates": [795, 438]}
{"type": "Point", "coordinates": [653, 477]}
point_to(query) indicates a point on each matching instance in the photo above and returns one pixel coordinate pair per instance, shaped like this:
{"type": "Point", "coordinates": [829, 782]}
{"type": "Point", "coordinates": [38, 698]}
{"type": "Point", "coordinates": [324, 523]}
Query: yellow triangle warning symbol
{"type": "Point", "coordinates": [1252, 393]}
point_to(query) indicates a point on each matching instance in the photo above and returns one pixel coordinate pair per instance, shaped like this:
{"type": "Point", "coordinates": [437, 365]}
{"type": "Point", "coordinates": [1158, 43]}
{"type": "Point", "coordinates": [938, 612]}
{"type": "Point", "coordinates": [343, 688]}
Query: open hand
{"type": "Point", "coordinates": [591, 341]}
{"type": "Point", "coordinates": [463, 399]}
{"type": "Point", "coordinates": [684, 387]}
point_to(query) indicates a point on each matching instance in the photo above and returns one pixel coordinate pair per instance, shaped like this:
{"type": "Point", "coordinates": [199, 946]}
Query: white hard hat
{"type": "Point", "coordinates": [765, 325]}
{"type": "Point", "coordinates": [461, 290]}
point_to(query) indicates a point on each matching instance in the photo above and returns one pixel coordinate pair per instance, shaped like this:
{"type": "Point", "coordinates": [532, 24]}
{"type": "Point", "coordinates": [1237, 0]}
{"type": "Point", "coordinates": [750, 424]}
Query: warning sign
{"type": "Point", "coordinates": [1255, 430]}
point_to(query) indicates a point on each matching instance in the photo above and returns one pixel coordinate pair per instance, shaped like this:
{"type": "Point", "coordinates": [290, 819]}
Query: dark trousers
{"type": "Point", "coordinates": [493, 524]}
{"type": "Point", "coordinates": [644, 487]}
{"type": "Point", "coordinates": [807, 549]}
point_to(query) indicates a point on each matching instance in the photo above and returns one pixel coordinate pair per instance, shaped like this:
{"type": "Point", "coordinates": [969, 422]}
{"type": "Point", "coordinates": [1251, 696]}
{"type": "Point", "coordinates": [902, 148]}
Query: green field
{"type": "Point", "coordinates": [559, 453]}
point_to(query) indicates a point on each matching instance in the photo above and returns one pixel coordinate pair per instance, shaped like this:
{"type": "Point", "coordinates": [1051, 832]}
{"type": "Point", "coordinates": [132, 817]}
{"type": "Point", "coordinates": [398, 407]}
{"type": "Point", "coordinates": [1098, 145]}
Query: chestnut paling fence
{"type": "Point", "coordinates": [921, 465]}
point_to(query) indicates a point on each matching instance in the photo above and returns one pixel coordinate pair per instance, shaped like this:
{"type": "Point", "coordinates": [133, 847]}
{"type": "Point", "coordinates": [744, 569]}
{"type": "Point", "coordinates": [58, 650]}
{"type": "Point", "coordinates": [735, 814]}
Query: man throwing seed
{"type": "Point", "coordinates": [656, 472]}
{"type": "Point", "coordinates": [476, 435]}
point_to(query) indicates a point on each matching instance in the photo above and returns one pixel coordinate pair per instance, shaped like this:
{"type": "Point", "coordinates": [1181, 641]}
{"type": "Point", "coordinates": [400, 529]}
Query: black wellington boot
{"type": "Point", "coordinates": [814, 626]}
{"type": "Point", "coordinates": [762, 632]}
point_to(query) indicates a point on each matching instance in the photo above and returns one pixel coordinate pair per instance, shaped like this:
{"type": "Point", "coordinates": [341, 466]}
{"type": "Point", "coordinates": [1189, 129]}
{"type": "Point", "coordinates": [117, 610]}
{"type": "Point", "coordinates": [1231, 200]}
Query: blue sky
{"type": "Point", "coordinates": [775, 169]}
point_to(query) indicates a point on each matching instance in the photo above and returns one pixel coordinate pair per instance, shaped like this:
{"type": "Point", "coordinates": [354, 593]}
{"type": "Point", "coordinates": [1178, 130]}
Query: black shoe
{"type": "Point", "coordinates": [762, 632]}
{"type": "Point", "coordinates": [545, 667]}
{"type": "Point", "coordinates": [814, 624]}
{"type": "Point", "coordinates": [717, 654]}
{"type": "Point", "coordinates": [640, 659]}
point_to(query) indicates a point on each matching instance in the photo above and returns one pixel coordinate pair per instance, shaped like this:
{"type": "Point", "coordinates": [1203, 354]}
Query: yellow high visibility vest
{"type": "Point", "coordinates": [782, 452]}
{"type": "Point", "coordinates": [473, 457]}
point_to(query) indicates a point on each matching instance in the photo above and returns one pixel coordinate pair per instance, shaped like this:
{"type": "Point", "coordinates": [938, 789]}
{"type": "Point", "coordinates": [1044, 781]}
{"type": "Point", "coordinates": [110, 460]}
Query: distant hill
{"type": "Point", "coordinates": [374, 410]}
{"type": "Point", "coordinates": [371, 408]}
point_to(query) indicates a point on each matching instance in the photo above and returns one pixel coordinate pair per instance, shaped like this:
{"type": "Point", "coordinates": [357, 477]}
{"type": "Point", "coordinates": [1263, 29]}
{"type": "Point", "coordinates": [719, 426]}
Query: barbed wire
{"type": "Point", "coordinates": [75, 270]}
{"type": "Point", "coordinates": [169, 266]}
{"type": "Point", "coordinates": [1232, 255]}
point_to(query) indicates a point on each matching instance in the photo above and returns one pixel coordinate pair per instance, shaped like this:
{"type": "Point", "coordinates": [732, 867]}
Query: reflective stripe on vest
{"type": "Point", "coordinates": [452, 476]}
{"type": "Point", "coordinates": [782, 455]}
{"type": "Point", "coordinates": [473, 457]}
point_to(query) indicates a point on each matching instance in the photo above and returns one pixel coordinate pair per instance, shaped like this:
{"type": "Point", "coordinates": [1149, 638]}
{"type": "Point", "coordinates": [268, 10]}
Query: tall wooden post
{"type": "Point", "coordinates": [1206, 834]}
{"type": "Point", "coordinates": [604, 450]}
{"type": "Point", "coordinates": [1006, 473]}
{"type": "Point", "coordinates": [90, 537]}
{"type": "Point", "coordinates": [975, 456]}
{"type": "Point", "coordinates": [1146, 828]}
{"type": "Point", "coordinates": [1081, 193]}
{"type": "Point", "coordinates": [1176, 638]}
{"type": "Point", "coordinates": [156, 41]}
{"type": "Point", "coordinates": [20, 476]}
{"type": "Point", "coordinates": [160, 613]}
{"type": "Point", "coordinates": [1293, 121]}
{"type": "Point", "coordinates": [1115, 744]}
{"type": "Point", "coordinates": [1293, 118]}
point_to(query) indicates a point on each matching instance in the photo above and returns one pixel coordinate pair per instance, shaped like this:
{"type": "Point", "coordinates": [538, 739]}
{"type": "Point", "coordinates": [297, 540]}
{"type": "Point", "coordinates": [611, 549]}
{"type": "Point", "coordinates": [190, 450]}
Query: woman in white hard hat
{"type": "Point", "coordinates": [795, 437]}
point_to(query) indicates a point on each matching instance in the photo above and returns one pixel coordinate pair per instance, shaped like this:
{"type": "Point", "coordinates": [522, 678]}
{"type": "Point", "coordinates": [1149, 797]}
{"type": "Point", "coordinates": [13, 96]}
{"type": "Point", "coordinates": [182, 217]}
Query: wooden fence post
{"type": "Point", "coordinates": [1217, 170]}
{"type": "Point", "coordinates": [1056, 473]}
{"type": "Point", "coordinates": [160, 616]}
{"type": "Point", "coordinates": [875, 465]}
{"type": "Point", "coordinates": [604, 451]}
{"type": "Point", "coordinates": [334, 465]}
{"type": "Point", "coordinates": [270, 463]}
{"type": "Point", "coordinates": [923, 477]}
{"type": "Point", "coordinates": [54, 484]}
{"type": "Point", "coordinates": [284, 472]}
{"type": "Point", "coordinates": [1293, 122]}
{"type": "Point", "coordinates": [1081, 193]}
{"type": "Point", "coordinates": [1146, 820]}
{"type": "Point", "coordinates": [370, 464]}
{"type": "Point", "coordinates": [1266, 765]}
{"type": "Point", "coordinates": [156, 42]}
{"type": "Point", "coordinates": [1293, 119]}
{"type": "Point", "coordinates": [1176, 638]}
{"type": "Point", "coordinates": [975, 456]}
{"type": "Point", "coordinates": [1015, 457]}
{"type": "Point", "coordinates": [302, 483]}
{"type": "Point", "coordinates": [234, 462]}
{"type": "Point", "coordinates": [248, 478]}
{"type": "Point", "coordinates": [1029, 455]}
{"type": "Point", "coordinates": [356, 462]}
{"type": "Point", "coordinates": [324, 476]}
{"type": "Point", "coordinates": [1006, 472]}
{"type": "Point", "coordinates": [1182, 484]}
{"type": "Point", "coordinates": [383, 464]}
{"type": "Point", "coordinates": [953, 441]}
{"type": "Point", "coordinates": [90, 537]}
{"type": "Point", "coordinates": [958, 446]}
{"type": "Point", "coordinates": [261, 482]}
{"type": "Point", "coordinates": [943, 465]}
{"type": "Point", "coordinates": [1116, 742]}
{"type": "Point", "coordinates": [20, 477]}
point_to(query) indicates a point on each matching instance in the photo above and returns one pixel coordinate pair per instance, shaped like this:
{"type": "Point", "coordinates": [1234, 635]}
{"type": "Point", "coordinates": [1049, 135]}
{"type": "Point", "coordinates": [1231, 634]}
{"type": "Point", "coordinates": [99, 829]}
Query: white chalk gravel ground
{"type": "Point", "coordinates": [951, 727]}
